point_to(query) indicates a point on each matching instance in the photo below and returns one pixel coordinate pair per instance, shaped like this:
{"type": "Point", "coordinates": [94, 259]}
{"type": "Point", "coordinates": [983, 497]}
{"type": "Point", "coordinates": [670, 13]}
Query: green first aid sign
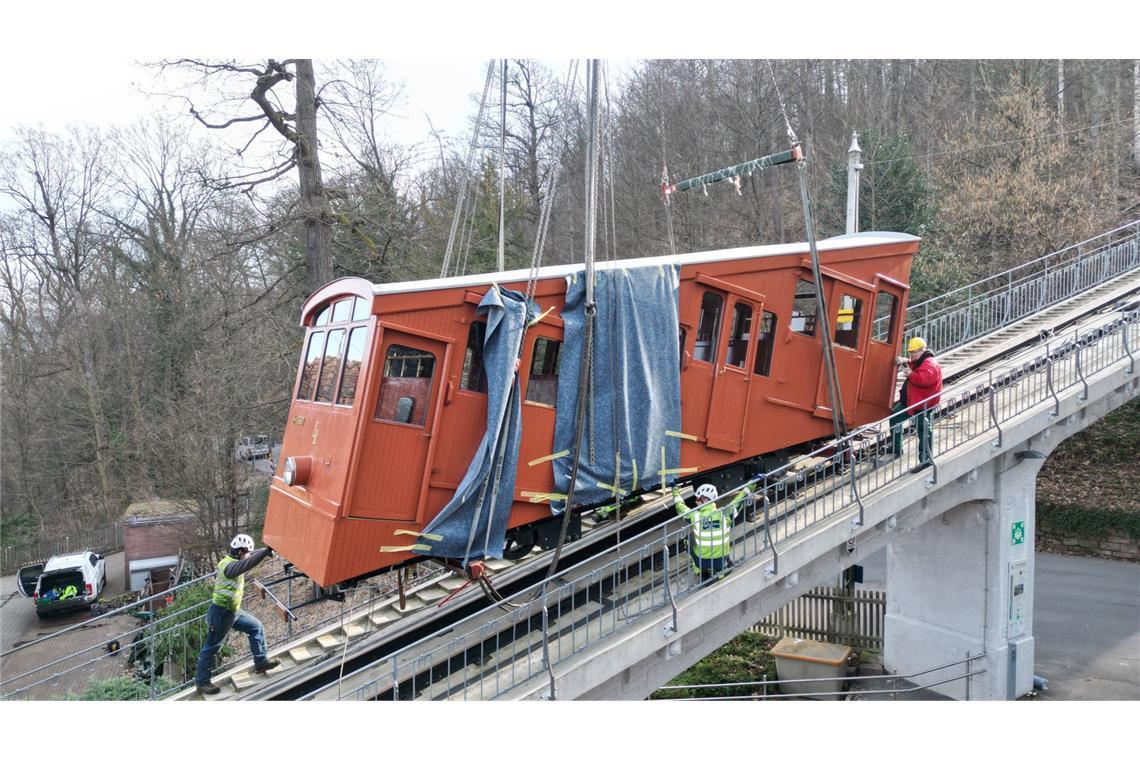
{"type": "Point", "coordinates": [1018, 533]}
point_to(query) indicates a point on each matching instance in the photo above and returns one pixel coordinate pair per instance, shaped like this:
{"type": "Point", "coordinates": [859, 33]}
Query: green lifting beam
{"type": "Point", "coordinates": [764, 162]}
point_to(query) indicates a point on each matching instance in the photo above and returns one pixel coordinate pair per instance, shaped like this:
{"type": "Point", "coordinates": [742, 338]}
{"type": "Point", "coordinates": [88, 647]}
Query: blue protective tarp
{"type": "Point", "coordinates": [474, 522]}
{"type": "Point", "coordinates": [635, 383]}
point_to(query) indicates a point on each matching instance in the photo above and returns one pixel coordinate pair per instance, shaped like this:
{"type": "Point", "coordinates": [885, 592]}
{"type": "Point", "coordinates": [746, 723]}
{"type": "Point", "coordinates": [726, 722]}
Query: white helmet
{"type": "Point", "coordinates": [242, 541]}
{"type": "Point", "coordinates": [708, 491]}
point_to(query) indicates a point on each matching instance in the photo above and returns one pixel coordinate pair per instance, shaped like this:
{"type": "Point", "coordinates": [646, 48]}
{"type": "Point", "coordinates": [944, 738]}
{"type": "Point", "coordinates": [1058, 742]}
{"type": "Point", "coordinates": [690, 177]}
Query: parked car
{"type": "Point", "coordinates": [253, 447]}
{"type": "Point", "coordinates": [65, 582]}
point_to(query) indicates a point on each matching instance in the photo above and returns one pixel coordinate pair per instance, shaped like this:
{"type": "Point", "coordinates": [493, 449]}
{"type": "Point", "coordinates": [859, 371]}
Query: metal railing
{"type": "Point", "coordinates": [960, 316]}
{"type": "Point", "coordinates": [486, 657]}
{"type": "Point", "coordinates": [764, 685]}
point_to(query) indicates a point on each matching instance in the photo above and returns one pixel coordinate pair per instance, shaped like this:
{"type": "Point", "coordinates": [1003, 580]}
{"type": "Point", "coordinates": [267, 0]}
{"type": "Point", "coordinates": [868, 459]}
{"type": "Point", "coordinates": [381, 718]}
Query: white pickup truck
{"type": "Point", "coordinates": [64, 582]}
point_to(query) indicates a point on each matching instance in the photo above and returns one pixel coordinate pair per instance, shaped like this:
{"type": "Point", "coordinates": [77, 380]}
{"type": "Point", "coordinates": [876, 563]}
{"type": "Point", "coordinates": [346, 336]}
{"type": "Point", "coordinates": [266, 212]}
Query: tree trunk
{"type": "Point", "coordinates": [1136, 112]}
{"type": "Point", "coordinates": [1061, 90]}
{"type": "Point", "coordinates": [318, 261]}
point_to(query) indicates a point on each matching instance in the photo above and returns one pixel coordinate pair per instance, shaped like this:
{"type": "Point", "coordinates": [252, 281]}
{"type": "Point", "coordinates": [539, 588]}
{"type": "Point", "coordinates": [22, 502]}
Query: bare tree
{"type": "Point", "coordinates": [297, 126]}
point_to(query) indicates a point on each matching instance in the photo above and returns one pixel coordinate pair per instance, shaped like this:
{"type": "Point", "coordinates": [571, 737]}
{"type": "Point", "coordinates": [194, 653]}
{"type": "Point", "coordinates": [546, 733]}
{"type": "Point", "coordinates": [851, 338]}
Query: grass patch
{"type": "Point", "coordinates": [1088, 522]}
{"type": "Point", "coordinates": [745, 658]}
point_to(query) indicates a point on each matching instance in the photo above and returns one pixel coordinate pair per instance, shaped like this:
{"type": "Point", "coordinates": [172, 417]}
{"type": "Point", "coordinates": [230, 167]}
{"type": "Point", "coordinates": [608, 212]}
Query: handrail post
{"type": "Point", "coordinates": [546, 644]}
{"type": "Point", "coordinates": [767, 527]}
{"type": "Point", "coordinates": [1080, 370]}
{"type": "Point", "coordinates": [857, 522]}
{"type": "Point", "coordinates": [967, 676]}
{"type": "Point", "coordinates": [668, 587]}
{"type": "Point", "coordinates": [993, 411]}
{"type": "Point", "coordinates": [1049, 381]}
{"type": "Point", "coordinates": [1127, 349]}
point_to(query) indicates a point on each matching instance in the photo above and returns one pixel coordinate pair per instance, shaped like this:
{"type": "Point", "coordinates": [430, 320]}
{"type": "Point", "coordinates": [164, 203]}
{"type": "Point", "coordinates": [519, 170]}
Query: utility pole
{"type": "Point", "coordinates": [500, 259]}
{"type": "Point", "coordinates": [854, 154]}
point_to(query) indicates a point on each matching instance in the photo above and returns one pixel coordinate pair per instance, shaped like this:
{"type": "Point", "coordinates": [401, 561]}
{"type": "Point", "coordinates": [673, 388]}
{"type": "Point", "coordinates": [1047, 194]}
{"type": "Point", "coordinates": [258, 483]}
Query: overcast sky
{"type": "Point", "coordinates": [76, 62]}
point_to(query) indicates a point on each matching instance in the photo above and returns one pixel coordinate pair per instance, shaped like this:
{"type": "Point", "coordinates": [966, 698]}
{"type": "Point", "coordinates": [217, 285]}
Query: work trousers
{"type": "Point", "coordinates": [220, 621]}
{"type": "Point", "coordinates": [708, 567]}
{"type": "Point", "coordinates": [923, 430]}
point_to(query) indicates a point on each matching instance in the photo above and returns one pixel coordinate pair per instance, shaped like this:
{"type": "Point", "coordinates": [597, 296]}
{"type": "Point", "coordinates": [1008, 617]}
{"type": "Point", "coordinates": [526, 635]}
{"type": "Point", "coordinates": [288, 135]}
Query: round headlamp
{"type": "Point", "coordinates": [296, 470]}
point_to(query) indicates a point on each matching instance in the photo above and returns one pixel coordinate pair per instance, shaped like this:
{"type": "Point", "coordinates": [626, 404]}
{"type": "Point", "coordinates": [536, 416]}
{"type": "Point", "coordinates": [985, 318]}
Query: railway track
{"type": "Point", "coordinates": [341, 657]}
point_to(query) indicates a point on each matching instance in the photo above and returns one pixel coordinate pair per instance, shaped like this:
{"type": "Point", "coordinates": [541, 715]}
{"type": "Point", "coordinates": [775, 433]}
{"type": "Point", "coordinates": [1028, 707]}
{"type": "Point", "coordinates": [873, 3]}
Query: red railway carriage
{"type": "Point", "coordinates": [390, 405]}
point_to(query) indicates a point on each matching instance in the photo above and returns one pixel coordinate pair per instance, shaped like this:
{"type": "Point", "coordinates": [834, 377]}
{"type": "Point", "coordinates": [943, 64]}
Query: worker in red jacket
{"type": "Point", "coordinates": [921, 392]}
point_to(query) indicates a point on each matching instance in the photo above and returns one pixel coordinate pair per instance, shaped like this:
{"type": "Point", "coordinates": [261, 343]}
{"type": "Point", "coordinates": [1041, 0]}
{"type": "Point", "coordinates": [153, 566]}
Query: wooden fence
{"type": "Point", "coordinates": [828, 614]}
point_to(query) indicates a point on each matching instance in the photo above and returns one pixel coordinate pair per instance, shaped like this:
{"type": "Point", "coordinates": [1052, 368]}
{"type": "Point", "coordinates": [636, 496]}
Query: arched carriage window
{"type": "Point", "coordinates": [332, 364]}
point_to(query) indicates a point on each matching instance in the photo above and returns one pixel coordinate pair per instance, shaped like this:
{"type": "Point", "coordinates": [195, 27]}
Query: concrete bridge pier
{"type": "Point", "coordinates": [961, 585]}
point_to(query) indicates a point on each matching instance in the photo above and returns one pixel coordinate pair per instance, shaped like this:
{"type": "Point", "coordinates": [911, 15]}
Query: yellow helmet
{"type": "Point", "coordinates": [915, 344]}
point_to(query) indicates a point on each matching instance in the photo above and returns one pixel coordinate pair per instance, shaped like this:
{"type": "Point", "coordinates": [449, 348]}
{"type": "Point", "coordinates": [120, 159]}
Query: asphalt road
{"type": "Point", "coordinates": [19, 625]}
{"type": "Point", "coordinates": [1086, 620]}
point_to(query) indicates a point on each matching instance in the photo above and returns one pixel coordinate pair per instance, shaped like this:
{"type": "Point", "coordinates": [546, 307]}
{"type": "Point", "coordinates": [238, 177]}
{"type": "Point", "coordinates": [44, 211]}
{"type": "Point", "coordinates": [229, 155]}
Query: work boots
{"type": "Point", "coordinates": [207, 688]}
{"type": "Point", "coordinates": [268, 665]}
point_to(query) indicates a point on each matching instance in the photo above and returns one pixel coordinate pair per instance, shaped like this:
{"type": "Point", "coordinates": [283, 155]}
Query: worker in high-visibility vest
{"type": "Point", "coordinates": [225, 612]}
{"type": "Point", "coordinates": [710, 537]}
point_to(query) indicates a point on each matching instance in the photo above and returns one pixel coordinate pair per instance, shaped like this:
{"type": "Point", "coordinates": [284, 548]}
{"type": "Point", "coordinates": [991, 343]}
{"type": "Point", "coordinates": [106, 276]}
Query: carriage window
{"type": "Point", "coordinates": [543, 384]}
{"type": "Point", "coordinates": [360, 310]}
{"type": "Point", "coordinates": [330, 367]}
{"type": "Point", "coordinates": [322, 317]}
{"type": "Point", "coordinates": [312, 364]}
{"type": "Point", "coordinates": [764, 344]}
{"type": "Point", "coordinates": [406, 385]}
{"type": "Point", "coordinates": [883, 329]}
{"type": "Point", "coordinates": [847, 321]}
{"type": "Point", "coordinates": [684, 333]}
{"type": "Point", "coordinates": [342, 310]}
{"type": "Point", "coordinates": [804, 308]}
{"type": "Point", "coordinates": [708, 328]}
{"type": "Point", "coordinates": [474, 378]}
{"type": "Point", "coordinates": [353, 356]}
{"type": "Point", "coordinates": [741, 333]}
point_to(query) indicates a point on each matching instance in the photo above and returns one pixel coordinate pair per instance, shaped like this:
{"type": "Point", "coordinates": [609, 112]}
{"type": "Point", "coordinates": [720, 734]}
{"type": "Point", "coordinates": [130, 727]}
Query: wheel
{"type": "Point", "coordinates": [514, 550]}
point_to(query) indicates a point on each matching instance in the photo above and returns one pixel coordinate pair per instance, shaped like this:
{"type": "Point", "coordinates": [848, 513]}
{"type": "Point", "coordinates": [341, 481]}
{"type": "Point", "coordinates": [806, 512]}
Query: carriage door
{"type": "Point", "coordinates": [848, 306]}
{"type": "Point", "coordinates": [728, 407]}
{"type": "Point", "coordinates": [879, 372]}
{"type": "Point", "coordinates": [396, 443]}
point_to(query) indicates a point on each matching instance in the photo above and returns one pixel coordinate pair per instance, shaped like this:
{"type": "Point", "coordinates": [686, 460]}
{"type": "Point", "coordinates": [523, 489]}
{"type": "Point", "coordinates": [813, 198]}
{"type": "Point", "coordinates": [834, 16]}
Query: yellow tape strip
{"type": "Point", "coordinates": [428, 536]}
{"type": "Point", "coordinates": [686, 436]}
{"type": "Point", "coordinates": [548, 457]}
{"type": "Point", "coordinates": [615, 490]}
{"type": "Point", "coordinates": [540, 317]}
{"type": "Point", "coordinates": [537, 496]}
{"type": "Point", "coordinates": [413, 547]}
{"type": "Point", "coordinates": [678, 471]}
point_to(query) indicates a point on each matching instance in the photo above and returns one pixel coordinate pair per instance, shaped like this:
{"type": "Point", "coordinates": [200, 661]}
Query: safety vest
{"type": "Point", "coordinates": [228, 591]}
{"type": "Point", "coordinates": [711, 536]}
